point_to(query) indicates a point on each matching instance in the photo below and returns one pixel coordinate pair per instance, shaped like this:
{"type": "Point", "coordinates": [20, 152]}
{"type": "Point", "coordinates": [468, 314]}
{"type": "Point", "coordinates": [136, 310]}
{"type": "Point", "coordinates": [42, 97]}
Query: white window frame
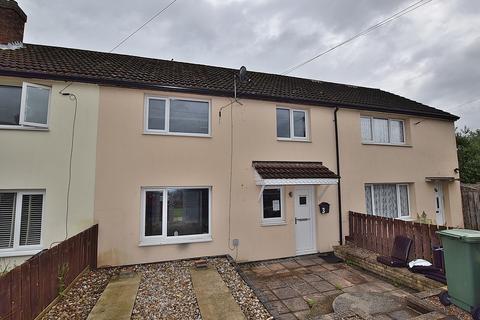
{"type": "Point", "coordinates": [292, 129]}
{"type": "Point", "coordinates": [23, 125]}
{"type": "Point", "coordinates": [163, 238]}
{"type": "Point", "coordinates": [373, 140]}
{"type": "Point", "coordinates": [273, 221]}
{"type": "Point", "coordinates": [17, 249]}
{"type": "Point", "coordinates": [397, 188]}
{"type": "Point", "coordinates": [166, 131]}
{"type": "Point", "coordinates": [23, 105]}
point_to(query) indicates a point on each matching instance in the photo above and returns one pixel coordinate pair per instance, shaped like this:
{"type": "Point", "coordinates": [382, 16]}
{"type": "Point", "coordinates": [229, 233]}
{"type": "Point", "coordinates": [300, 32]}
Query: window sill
{"type": "Point", "coordinates": [177, 134]}
{"type": "Point", "coordinates": [22, 128]}
{"type": "Point", "coordinates": [272, 224]}
{"type": "Point", "coordinates": [387, 144]}
{"type": "Point", "coordinates": [174, 240]}
{"type": "Point", "coordinates": [294, 140]}
{"type": "Point", "coordinates": [18, 253]}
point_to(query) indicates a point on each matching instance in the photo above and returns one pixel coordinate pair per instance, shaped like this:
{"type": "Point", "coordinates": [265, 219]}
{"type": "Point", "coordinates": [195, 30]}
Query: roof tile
{"type": "Point", "coordinates": [39, 61]}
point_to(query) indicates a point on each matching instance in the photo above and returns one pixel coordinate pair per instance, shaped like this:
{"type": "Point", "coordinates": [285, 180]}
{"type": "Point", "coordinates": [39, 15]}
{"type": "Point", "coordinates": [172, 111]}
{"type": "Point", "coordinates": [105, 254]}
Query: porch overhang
{"type": "Point", "coordinates": [294, 182]}
{"type": "Point", "coordinates": [283, 173]}
{"type": "Point", "coordinates": [440, 179]}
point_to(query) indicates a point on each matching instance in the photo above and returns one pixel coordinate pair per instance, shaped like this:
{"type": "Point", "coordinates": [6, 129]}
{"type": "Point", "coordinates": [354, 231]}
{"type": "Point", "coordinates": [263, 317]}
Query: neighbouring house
{"type": "Point", "coordinates": [35, 142]}
{"type": "Point", "coordinates": [170, 166]}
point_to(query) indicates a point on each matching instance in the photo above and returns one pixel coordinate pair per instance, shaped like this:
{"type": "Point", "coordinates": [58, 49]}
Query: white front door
{"type": "Point", "coordinates": [439, 204]}
{"type": "Point", "coordinates": [305, 220]}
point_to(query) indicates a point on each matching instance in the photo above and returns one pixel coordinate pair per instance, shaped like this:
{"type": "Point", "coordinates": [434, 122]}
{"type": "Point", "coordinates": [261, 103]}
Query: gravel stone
{"type": "Point", "coordinates": [165, 292]}
{"type": "Point", "coordinates": [81, 298]}
{"type": "Point", "coordinates": [451, 310]}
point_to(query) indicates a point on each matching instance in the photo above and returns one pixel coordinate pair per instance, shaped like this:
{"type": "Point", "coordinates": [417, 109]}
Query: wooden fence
{"type": "Point", "coordinates": [29, 288]}
{"type": "Point", "coordinates": [471, 207]}
{"type": "Point", "coordinates": [377, 233]}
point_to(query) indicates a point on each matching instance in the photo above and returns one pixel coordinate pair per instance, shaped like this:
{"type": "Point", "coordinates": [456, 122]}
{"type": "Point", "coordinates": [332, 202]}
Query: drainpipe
{"type": "Point", "coordinates": [339, 189]}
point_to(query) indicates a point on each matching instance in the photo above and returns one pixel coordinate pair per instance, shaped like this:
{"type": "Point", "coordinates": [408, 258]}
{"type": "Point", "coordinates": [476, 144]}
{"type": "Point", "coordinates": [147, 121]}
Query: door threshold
{"type": "Point", "coordinates": [304, 253]}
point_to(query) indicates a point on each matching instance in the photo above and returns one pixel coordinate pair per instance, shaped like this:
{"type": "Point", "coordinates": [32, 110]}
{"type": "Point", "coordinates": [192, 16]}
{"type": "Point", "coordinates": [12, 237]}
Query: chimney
{"type": "Point", "coordinates": [12, 22]}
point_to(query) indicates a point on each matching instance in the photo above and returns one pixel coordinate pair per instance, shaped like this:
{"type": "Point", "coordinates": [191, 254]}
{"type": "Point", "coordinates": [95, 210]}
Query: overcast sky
{"type": "Point", "coordinates": [431, 55]}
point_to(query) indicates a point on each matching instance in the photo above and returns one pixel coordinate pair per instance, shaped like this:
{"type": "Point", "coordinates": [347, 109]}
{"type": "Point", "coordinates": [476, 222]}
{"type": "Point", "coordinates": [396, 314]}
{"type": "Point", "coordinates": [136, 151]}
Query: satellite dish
{"type": "Point", "coordinates": [242, 74]}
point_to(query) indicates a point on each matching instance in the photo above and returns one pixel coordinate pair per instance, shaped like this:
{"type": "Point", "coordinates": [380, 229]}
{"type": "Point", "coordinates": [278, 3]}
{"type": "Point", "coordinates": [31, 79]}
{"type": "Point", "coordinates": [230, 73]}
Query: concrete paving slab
{"type": "Point", "coordinates": [213, 296]}
{"type": "Point", "coordinates": [118, 298]}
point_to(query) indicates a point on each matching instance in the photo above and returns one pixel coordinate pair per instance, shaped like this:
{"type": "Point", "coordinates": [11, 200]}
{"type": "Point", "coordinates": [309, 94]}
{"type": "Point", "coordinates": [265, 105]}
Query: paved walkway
{"type": "Point", "coordinates": [213, 296]}
{"type": "Point", "coordinates": [305, 287]}
{"type": "Point", "coordinates": [118, 298]}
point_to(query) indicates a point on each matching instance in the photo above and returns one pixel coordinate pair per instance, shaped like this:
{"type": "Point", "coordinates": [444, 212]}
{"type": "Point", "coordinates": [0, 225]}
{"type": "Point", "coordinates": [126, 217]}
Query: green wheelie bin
{"type": "Point", "coordinates": [462, 266]}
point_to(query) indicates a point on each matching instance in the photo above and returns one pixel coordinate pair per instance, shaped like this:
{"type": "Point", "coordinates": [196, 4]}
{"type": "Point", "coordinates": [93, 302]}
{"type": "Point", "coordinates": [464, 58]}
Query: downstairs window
{"type": "Point", "coordinates": [387, 200]}
{"type": "Point", "coordinates": [272, 206]}
{"type": "Point", "coordinates": [20, 220]}
{"type": "Point", "coordinates": [175, 215]}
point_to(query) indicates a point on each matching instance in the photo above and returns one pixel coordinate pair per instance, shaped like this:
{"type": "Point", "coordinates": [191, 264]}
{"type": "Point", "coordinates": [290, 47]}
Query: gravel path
{"type": "Point", "coordinates": [451, 310]}
{"type": "Point", "coordinates": [165, 292]}
{"type": "Point", "coordinates": [81, 298]}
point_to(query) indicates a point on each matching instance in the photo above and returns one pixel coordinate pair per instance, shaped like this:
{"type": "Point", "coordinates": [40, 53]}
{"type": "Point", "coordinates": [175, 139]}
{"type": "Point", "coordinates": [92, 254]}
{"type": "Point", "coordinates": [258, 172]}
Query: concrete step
{"type": "Point", "coordinates": [118, 298]}
{"type": "Point", "coordinates": [213, 296]}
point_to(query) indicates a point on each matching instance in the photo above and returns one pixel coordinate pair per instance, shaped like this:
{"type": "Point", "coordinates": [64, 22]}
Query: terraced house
{"type": "Point", "coordinates": [170, 165]}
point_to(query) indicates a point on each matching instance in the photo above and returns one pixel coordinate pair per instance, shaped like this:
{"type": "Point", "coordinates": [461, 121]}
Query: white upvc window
{"type": "Point", "coordinates": [382, 130]}
{"type": "Point", "coordinates": [273, 206]}
{"type": "Point", "coordinates": [27, 106]}
{"type": "Point", "coordinates": [177, 116]}
{"type": "Point", "coordinates": [21, 215]}
{"type": "Point", "coordinates": [388, 200]}
{"type": "Point", "coordinates": [175, 215]}
{"type": "Point", "coordinates": [292, 124]}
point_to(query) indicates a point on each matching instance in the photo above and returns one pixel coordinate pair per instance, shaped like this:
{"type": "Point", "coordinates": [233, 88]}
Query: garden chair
{"type": "Point", "coordinates": [400, 253]}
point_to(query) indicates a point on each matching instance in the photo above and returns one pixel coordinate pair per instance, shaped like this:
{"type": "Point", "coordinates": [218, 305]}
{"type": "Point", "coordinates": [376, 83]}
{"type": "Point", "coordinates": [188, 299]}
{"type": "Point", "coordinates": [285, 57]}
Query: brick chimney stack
{"type": "Point", "coordinates": [12, 22]}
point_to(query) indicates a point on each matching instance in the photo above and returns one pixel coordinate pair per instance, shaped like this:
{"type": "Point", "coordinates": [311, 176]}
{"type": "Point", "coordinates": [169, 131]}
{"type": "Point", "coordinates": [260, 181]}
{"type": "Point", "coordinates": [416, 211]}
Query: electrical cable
{"type": "Point", "coordinates": [142, 26]}
{"type": "Point", "coordinates": [72, 97]}
{"type": "Point", "coordinates": [230, 181]}
{"type": "Point", "coordinates": [464, 104]}
{"type": "Point", "coordinates": [397, 15]}
{"type": "Point", "coordinates": [132, 34]}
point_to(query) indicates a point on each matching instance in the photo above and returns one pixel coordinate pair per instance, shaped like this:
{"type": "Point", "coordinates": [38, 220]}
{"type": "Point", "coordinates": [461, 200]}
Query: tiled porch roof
{"type": "Point", "coordinates": [292, 170]}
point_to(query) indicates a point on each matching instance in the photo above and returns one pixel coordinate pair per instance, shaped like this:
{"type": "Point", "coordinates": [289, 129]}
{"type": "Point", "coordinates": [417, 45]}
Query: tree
{"type": "Point", "coordinates": [468, 148]}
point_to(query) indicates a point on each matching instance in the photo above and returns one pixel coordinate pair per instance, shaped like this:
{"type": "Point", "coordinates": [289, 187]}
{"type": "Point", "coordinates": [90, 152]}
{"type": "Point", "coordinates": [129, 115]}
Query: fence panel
{"type": "Point", "coordinates": [29, 288]}
{"type": "Point", "coordinates": [471, 207]}
{"type": "Point", "coordinates": [378, 233]}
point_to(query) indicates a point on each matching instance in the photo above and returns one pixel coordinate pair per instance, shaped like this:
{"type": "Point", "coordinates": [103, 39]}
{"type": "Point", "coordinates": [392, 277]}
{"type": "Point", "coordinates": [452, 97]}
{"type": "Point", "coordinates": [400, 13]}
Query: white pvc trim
{"type": "Point", "coordinates": [289, 182]}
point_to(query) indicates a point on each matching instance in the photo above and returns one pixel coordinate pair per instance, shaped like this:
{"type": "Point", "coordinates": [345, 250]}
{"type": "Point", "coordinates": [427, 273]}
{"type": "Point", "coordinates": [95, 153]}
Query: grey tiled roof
{"type": "Point", "coordinates": [59, 63]}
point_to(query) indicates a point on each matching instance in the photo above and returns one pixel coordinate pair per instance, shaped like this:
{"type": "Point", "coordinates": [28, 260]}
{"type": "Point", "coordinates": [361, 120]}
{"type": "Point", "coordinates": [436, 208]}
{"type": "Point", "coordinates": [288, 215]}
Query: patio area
{"type": "Point", "coordinates": [305, 287]}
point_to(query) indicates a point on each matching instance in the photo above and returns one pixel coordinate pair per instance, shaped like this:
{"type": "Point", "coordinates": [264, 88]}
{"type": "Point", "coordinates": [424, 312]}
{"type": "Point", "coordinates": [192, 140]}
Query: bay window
{"type": "Point", "coordinates": [26, 106]}
{"type": "Point", "coordinates": [382, 131]}
{"type": "Point", "coordinates": [291, 124]}
{"type": "Point", "coordinates": [175, 215]}
{"type": "Point", "coordinates": [20, 221]}
{"type": "Point", "coordinates": [177, 116]}
{"type": "Point", "coordinates": [387, 200]}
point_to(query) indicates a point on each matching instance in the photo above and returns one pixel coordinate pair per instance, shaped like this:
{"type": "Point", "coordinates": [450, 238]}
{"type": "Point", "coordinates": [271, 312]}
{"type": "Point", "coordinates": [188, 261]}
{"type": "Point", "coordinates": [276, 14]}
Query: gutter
{"type": "Point", "coordinates": [339, 189]}
{"type": "Point", "coordinates": [217, 92]}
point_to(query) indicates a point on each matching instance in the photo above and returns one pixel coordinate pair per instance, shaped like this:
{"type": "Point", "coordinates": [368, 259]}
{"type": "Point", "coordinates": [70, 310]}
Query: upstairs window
{"type": "Point", "coordinates": [26, 106]}
{"type": "Point", "coordinates": [20, 220]}
{"type": "Point", "coordinates": [379, 130]}
{"type": "Point", "coordinates": [177, 116]}
{"type": "Point", "coordinates": [387, 200]}
{"type": "Point", "coordinates": [291, 124]}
